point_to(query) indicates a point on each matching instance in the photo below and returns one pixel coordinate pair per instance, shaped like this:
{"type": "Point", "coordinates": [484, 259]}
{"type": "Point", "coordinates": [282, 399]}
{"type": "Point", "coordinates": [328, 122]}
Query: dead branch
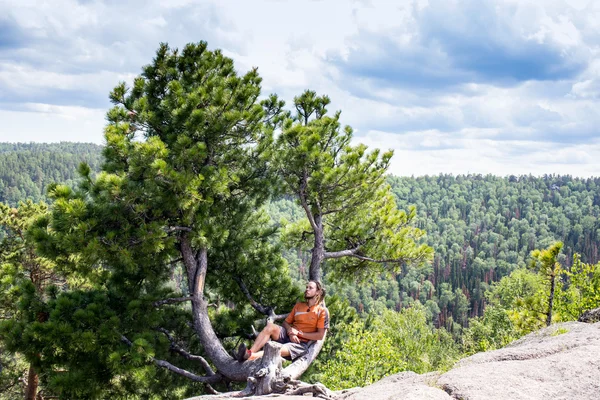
{"type": "Point", "coordinates": [265, 310]}
{"type": "Point", "coordinates": [180, 371]}
{"type": "Point", "coordinates": [192, 357]}
{"type": "Point", "coordinates": [172, 300]}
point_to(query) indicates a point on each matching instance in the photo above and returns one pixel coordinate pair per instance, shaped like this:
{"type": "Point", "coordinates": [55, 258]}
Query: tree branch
{"type": "Point", "coordinates": [189, 261]}
{"type": "Point", "coordinates": [167, 365]}
{"type": "Point", "coordinates": [172, 300]}
{"type": "Point", "coordinates": [342, 253]}
{"type": "Point", "coordinates": [265, 310]}
{"type": "Point", "coordinates": [303, 202]}
{"type": "Point", "coordinates": [379, 261]}
{"type": "Point", "coordinates": [196, 378]}
{"type": "Point", "coordinates": [256, 305]}
{"type": "Point", "coordinates": [200, 277]}
{"type": "Point", "coordinates": [192, 357]}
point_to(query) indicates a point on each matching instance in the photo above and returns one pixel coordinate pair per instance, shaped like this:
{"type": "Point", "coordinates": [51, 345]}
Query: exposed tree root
{"type": "Point", "coordinates": [269, 378]}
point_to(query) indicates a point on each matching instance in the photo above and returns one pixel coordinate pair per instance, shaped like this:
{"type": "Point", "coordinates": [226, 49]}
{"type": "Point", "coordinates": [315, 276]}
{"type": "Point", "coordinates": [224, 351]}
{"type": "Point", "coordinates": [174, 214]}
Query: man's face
{"type": "Point", "coordinates": [310, 291]}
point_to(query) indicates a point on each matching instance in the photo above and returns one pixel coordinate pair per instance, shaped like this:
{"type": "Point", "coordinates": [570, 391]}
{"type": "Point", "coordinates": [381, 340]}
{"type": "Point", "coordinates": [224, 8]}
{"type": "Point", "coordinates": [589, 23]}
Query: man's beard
{"type": "Point", "coordinates": [308, 298]}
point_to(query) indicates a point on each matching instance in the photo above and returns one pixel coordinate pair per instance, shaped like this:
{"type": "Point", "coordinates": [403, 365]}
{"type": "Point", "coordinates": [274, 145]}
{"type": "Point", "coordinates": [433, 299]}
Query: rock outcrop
{"type": "Point", "coordinates": [558, 362]}
{"type": "Point", "coordinates": [590, 316]}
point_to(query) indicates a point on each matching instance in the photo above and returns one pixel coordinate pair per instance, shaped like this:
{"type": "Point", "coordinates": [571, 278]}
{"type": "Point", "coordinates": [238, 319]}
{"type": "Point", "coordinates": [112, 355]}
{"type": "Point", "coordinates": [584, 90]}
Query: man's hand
{"type": "Point", "coordinates": [293, 331]}
{"type": "Point", "coordinates": [294, 338]}
{"type": "Point", "coordinates": [293, 334]}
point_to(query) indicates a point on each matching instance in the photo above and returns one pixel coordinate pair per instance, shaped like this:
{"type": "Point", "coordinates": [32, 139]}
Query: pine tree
{"type": "Point", "coordinates": [25, 278]}
{"type": "Point", "coordinates": [549, 268]}
{"type": "Point", "coordinates": [352, 220]}
{"type": "Point", "coordinates": [186, 168]}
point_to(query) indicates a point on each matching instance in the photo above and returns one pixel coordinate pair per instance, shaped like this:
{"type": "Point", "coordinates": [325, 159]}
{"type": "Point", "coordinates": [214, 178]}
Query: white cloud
{"type": "Point", "coordinates": [483, 156]}
{"type": "Point", "coordinates": [464, 115]}
{"type": "Point", "coordinates": [48, 123]}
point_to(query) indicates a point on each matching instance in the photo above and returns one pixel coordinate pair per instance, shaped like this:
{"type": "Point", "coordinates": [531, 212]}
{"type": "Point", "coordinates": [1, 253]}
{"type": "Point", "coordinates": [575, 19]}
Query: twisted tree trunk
{"type": "Point", "coordinates": [270, 378]}
{"type": "Point", "coordinates": [196, 264]}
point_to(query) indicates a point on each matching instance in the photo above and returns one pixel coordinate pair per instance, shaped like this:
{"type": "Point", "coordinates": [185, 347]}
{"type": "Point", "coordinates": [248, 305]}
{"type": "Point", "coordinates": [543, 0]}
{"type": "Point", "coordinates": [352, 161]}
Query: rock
{"type": "Point", "coordinates": [402, 386]}
{"type": "Point", "coordinates": [590, 316]}
{"type": "Point", "coordinates": [558, 362]}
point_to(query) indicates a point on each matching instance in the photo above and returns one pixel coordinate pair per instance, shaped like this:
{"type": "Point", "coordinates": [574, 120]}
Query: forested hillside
{"type": "Point", "coordinates": [26, 169]}
{"type": "Point", "coordinates": [481, 227]}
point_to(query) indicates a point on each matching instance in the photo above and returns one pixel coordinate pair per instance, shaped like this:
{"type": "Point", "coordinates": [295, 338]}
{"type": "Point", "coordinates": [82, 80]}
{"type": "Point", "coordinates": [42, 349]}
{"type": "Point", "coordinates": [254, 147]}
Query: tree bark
{"type": "Point", "coordinates": [271, 378]}
{"type": "Point", "coordinates": [196, 268]}
{"type": "Point", "coordinates": [226, 365]}
{"type": "Point", "coordinates": [318, 251]}
{"type": "Point", "coordinates": [551, 300]}
{"type": "Point", "coordinates": [32, 384]}
{"type": "Point", "coordinates": [268, 378]}
{"type": "Point", "coordinates": [297, 368]}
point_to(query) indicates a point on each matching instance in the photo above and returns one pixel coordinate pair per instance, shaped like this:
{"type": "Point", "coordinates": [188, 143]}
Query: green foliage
{"type": "Point", "coordinates": [493, 330]}
{"type": "Point", "coordinates": [559, 331]}
{"type": "Point", "coordinates": [366, 356]}
{"type": "Point", "coordinates": [342, 189]}
{"type": "Point", "coordinates": [13, 368]}
{"type": "Point", "coordinates": [581, 290]}
{"type": "Point", "coordinates": [186, 169]}
{"type": "Point", "coordinates": [520, 301]}
{"type": "Point", "coordinates": [386, 344]}
{"type": "Point", "coordinates": [523, 296]}
{"type": "Point", "coordinates": [25, 279]}
{"type": "Point", "coordinates": [549, 268]}
{"type": "Point", "coordinates": [484, 227]}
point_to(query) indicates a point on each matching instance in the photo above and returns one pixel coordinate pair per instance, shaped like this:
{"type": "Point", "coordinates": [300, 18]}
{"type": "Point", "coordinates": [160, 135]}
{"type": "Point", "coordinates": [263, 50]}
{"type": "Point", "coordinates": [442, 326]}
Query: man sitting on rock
{"type": "Point", "coordinates": [306, 323]}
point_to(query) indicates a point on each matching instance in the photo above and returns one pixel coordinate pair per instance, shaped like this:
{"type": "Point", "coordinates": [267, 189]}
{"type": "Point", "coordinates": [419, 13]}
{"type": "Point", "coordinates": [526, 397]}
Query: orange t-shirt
{"type": "Point", "coordinates": [308, 319]}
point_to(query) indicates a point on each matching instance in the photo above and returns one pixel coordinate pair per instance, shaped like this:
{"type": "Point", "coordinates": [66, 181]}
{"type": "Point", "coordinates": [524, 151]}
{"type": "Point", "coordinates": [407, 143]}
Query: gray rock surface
{"type": "Point", "coordinates": [590, 316]}
{"type": "Point", "coordinates": [402, 386]}
{"type": "Point", "coordinates": [558, 362]}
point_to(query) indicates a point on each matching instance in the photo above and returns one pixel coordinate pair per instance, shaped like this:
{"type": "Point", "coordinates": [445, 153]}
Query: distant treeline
{"type": "Point", "coordinates": [26, 169]}
{"type": "Point", "coordinates": [481, 227]}
{"type": "Point", "coordinates": [484, 227]}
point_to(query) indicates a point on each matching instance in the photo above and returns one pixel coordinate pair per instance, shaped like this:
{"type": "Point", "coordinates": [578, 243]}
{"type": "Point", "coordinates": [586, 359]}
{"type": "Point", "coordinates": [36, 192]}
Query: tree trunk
{"type": "Point", "coordinates": [226, 365]}
{"type": "Point", "coordinates": [270, 378]}
{"type": "Point", "coordinates": [196, 264]}
{"type": "Point", "coordinates": [297, 368]}
{"type": "Point", "coordinates": [318, 251]}
{"type": "Point", "coordinates": [32, 384]}
{"type": "Point", "coordinates": [551, 300]}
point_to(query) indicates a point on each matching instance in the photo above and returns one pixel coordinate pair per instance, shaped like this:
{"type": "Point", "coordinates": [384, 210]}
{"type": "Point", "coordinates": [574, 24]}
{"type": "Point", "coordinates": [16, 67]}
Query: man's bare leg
{"type": "Point", "coordinates": [285, 352]}
{"type": "Point", "coordinates": [271, 331]}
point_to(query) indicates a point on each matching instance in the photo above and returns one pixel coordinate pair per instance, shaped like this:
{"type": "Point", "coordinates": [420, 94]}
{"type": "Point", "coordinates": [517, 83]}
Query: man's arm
{"type": "Point", "coordinates": [318, 335]}
{"type": "Point", "coordinates": [292, 332]}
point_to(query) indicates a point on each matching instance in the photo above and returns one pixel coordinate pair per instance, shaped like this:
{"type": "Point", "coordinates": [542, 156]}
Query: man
{"type": "Point", "coordinates": [306, 323]}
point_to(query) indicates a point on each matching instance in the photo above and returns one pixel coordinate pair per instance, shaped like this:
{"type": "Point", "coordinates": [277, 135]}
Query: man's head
{"type": "Point", "coordinates": [314, 290]}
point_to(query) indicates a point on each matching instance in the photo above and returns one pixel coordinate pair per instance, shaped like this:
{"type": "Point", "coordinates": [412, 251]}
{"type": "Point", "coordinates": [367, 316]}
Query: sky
{"type": "Point", "coordinates": [473, 86]}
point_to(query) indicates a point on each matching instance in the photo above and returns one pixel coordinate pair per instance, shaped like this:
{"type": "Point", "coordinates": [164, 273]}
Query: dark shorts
{"type": "Point", "coordinates": [296, 349]}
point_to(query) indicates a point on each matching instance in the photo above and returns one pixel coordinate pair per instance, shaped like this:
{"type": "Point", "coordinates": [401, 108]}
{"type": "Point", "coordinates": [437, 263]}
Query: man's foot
{"type": "Point", "coordinates": [242, 353]}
